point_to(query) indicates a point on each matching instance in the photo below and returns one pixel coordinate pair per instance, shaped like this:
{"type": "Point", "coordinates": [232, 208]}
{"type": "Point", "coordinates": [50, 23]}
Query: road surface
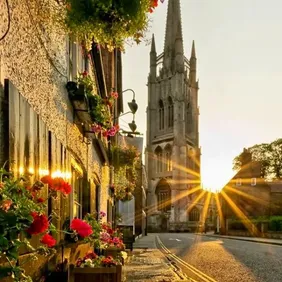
{"type": "Point", "coordinates": [224, 260]}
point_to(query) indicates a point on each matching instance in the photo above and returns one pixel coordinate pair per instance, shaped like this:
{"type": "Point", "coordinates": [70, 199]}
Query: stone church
{"type": "Point", "coordinates": [172, 151]}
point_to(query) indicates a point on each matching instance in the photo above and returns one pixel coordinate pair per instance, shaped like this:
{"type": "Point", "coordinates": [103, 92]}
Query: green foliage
{"type": "Point", "coordinates": [100, 109]}
{"type": "Point", "coordinates": [108, 22]}
{"type": "Point", "coordinates": [268, 154]}
{"type": "Point", "coordinates": [126, 161]}
{"type": "Point", "coordinates": [124, 156]}
{"type": "Point", "coordinates": [22, 215]}
{"type": "Point", "coordinates": [94, 238]}
{"type": "Point", "coordinates": [274, 223]}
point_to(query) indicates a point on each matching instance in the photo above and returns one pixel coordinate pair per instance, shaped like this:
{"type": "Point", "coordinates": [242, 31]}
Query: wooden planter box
{"type": "Point", "coordinates": [97, 274]}
{"type": "Point", "coordinates": [79, 102]}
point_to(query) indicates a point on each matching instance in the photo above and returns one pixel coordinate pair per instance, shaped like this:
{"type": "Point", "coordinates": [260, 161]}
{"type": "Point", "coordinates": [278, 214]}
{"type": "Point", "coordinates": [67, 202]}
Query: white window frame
{"type": "Point", "coordinates": [75, 166]}
{"type": "Point", "coordinates": [253, 181]}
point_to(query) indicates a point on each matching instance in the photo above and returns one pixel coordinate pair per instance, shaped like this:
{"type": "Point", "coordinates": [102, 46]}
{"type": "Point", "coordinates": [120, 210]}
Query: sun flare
{"type": "Point", "coordinates": [213, 182]}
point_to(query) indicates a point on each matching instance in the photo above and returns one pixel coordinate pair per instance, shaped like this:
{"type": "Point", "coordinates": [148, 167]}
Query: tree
{"type": "Point", "coordinates": [268, 154]}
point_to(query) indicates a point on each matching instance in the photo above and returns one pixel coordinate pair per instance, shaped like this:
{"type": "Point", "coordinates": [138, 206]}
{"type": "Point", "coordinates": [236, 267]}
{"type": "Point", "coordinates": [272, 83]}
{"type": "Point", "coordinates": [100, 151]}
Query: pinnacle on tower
{"type": "Point", "coordinates": [153, 60]}
{"type": "Point", "coordinates": [193, 51]}
{"type": "Point", "coordinates": [173, 38]}
{"type": "Point", "coordinates": [153, 44]}
{"type": "Point", "coordinates": [193, 67]}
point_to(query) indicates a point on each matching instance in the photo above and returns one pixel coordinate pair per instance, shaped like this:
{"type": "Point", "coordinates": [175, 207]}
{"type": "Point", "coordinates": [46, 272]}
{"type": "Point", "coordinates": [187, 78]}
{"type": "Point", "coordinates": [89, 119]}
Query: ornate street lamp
{"type": "Point", "coordinates": [133, 109]}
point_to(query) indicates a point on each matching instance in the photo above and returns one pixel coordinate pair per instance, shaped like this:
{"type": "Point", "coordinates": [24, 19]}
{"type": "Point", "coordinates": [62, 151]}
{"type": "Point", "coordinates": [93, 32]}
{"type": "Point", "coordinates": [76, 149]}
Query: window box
{"type": "Point", "coordinates": [97, 274]}
{"type": "Point", "coordinates": [79, 101]}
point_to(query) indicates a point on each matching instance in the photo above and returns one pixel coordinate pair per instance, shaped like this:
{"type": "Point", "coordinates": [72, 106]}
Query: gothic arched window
{"type": "Point", "coordinates": [161, 115]}
{"type": "Point", "coordinates": [163, 193]}
{"type": "Point", "coordinates": [194, 215]}
{"type": "Point", "coordinates": [168, 160]}
{"type": "Point", "coordinates": [170, 112]}
{"type": "Point", "coordinates": [159, 159]}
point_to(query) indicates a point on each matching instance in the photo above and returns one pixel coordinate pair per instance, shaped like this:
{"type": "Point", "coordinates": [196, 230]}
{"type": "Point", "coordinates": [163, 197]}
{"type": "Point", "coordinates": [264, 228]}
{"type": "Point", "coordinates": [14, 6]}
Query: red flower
{"type": "Point", "coordinates": [85, 73]}
{"type": "Point", "coordinates": [110, 231]}
{"type": "Point", "coordinates": [65, 188]}
{"type": "Point", "coordinates": [48, 240]}
{"type": "Point", "coordinates": [57, 184]}
{"type": "Point", "coordinates": [90, 255]}
{"type": "Point", "coordinates": [82, 228]}
{"type": "Point", "coordinates": [40, 200]}
{"type": "Point", "coordinates": [114, 95]}
{"type": "Point", "coordinates": [96, 128]}
{"type": "Point", "coordinates": [47, 180]}
{"type": "Point", "coordinates": [39, 225]}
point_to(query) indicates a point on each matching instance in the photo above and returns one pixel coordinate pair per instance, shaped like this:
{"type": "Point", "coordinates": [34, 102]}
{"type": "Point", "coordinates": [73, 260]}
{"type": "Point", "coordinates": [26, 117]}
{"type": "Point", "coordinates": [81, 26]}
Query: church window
{"type": "Point", "coordinates": [163, 194]}
{"type": "Point", "coordinates": [161, 115]}
{"type": "Point", "coordinates": [194, 215]}
{"type": "Point", "coordinates": [170, 112]}
{"type": "Point", "coordinates": [168, 160]}
{"type": "Point", "coordinates": [159, 159]}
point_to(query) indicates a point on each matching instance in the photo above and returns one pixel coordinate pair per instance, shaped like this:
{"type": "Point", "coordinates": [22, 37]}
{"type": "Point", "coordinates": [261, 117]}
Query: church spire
{"type": "Point", "coordinates": [153, 45]}
{"type": "Point", "coordinates": [153, 60]}
{"type": "Point", "coordinates": [173, 48]}
{"type": "Point", "coordinates": [193, 66]}
{"type": "Point", "coordinates": [193, 52]}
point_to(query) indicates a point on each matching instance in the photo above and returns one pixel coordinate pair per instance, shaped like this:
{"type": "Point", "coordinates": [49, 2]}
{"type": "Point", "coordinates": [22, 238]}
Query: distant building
{"type": "Point", "coordinates": [248, 193]}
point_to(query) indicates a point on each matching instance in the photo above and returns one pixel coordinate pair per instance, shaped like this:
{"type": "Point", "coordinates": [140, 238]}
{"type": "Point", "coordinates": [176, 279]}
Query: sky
{"type": "Point", "coordinates": [239, 55]}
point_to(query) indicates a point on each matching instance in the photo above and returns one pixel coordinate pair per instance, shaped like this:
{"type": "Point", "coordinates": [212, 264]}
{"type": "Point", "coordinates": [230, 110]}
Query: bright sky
{"type": "Point", "coordinates": [239, 51]}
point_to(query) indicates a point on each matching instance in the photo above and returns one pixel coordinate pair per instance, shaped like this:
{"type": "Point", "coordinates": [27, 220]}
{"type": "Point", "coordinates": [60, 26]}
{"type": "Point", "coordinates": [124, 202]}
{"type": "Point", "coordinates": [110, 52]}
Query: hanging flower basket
{"type": "Point", "coordinates": [109, 22]}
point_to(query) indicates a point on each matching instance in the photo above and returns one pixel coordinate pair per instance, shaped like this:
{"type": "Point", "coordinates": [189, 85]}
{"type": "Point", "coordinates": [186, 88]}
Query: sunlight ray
{"type": "Point", "coordinates": [219, 210]}
{"type": "Point", "coordinates": [245, 220]}
{"type": "Point", "coordinates": [175, 165]}
{"type": "Point", "coordinates": [206, 207]}
{"type": "Point", "coordinates": [196, 201]}
{"type": "Point", "coordinates": [251, 197]}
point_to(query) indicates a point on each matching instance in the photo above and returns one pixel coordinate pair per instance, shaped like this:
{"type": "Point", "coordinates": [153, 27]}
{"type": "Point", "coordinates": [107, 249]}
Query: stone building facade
{"type": "Point", "coordinates": [40, 132]}
{"type": "Point", "coordinates": [251, 194]}
{"type": "Point", "coordinates": [172, 151]}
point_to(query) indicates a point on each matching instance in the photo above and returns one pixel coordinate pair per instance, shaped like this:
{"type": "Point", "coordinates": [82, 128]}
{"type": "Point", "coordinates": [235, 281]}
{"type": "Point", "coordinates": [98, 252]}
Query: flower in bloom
{"type": "Point", "coordinates": [48, 240]}
{"type": "Point", "coordinates": [47, 179]}
{"type": "Point", "coordinates": [112, 131]}
{"type": "Point", "coordinates": [39, 225]}
{"type": "Point", "coordinates": [40, 200]}
{"type": "Point", "coordinates": [6, 205]}
{"type": "Point", "coordinates": [114, 95]}
{"type": "Point", "coordinates": [82, 228]}
{"type": "Point", "coordinates": [102, 214]}
{"type": "Point", "coordinates": [85, 73]}
{"type": "Point", "coordinates": [90, 255]}
{"type": "Point", "coordinates": [65, 188]}
{"type": "Point", "coordinates": [96, 128]}
{"type": "Point", "coordinates": [116, 240]}
{"type": "Point", "coordinates": [57, 184]}
{"type": "Point", "coordinates": [105, 236]}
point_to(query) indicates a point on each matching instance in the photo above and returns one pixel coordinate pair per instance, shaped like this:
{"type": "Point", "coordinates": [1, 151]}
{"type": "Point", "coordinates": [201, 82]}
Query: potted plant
{"type": "Point", "coordinates": [96, 268]}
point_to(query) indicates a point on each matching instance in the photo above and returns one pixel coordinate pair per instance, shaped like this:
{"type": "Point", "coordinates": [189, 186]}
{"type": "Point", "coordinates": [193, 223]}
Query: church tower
{"type": "Point", "coordinates": [172, 152]}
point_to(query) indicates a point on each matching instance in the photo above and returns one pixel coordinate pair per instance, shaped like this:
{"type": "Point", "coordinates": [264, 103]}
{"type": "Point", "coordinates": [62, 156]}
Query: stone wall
{"type": "Point", "coordinates": [34, 57]}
